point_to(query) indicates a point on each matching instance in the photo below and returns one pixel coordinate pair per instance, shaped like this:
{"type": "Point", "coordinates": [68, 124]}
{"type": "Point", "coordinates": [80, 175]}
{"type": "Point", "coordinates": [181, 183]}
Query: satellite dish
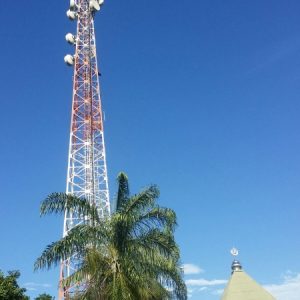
{"type": "Point", "coordinates": [234, 252]}
{"type": "Point", "coordinates": [71, 15]}
{"type": "Point", "coordinates": [94, 5]}
{"type": "Point", "coordinates": [70, 38]}
{"type": "Point", "coordinates": [72, 4]}
{"type": "Point", "coordinates": [101, 2]}
{"type": "Point", "coordinates": [69, 59]}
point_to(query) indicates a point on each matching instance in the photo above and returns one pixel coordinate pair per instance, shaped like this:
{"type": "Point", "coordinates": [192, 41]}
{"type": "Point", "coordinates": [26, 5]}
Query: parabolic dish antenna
{"type": "Point", "coordinates": [69, 60]}
{"type": "Point", "coordinates": [70, 38]}
{"type": "Point", "coordinates": [72, 3]}
{"type": "Point", "coordinates": [71, 15]}
{"type": "Point", "coordinates": [94, 5]}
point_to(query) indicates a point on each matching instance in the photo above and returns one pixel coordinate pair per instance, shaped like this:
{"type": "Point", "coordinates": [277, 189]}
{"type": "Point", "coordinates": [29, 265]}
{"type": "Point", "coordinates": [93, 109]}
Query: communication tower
{"type": "Point", "coordinates": [87, 171]}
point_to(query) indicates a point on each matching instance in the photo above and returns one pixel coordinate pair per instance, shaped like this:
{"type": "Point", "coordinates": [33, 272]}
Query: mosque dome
{"type": "Point", "coordinates": [242, 287]}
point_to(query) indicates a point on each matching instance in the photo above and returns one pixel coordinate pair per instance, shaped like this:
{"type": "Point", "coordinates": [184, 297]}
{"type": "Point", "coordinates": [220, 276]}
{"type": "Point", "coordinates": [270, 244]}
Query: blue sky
{"type": "Point", "coordinates": [200, 97]}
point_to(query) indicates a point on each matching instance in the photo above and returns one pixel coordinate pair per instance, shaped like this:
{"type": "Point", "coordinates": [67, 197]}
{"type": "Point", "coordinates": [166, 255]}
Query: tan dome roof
{"type": "Point", "coordinates": [242, 287]}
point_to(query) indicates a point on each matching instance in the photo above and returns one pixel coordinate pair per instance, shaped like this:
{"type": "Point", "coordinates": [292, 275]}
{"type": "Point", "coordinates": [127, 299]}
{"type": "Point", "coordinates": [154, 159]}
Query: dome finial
{"type": "Point", "coordinates": [236, 266]}
{"type": "Point", "coordinates": [234, 252]}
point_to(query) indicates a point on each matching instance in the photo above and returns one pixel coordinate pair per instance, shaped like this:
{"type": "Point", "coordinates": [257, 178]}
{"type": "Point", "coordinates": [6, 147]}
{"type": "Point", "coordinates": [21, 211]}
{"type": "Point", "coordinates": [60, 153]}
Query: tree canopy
{"type": "Point", "coordinates": [44, 296]}
{"type": "Point", "coordinates": [9, 287]}
{"type": "Point", "coordinates": [130, 256]}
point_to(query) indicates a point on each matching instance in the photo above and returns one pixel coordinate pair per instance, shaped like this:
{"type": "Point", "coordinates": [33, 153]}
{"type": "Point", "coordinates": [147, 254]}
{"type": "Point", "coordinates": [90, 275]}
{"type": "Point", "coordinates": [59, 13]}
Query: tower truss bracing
{"type": "Point", "coordinates": [87, 171]}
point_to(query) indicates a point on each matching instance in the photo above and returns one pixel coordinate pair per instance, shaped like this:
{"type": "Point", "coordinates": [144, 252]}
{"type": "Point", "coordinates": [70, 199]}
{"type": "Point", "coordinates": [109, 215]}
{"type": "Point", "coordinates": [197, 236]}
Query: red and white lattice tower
{"type": "Point", "coordinates": [87, 171]}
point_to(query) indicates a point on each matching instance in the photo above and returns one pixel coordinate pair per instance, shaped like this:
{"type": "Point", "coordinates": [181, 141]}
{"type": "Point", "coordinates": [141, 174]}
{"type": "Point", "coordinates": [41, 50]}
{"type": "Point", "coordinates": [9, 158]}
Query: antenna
{"type": "Point", "coordinates": [70, 38]}
{"type": "Point", "coordinates": [69, 59]}
{"type": "Point", "coordinates": [72, 4]}
{"type": "Point", "coordinates": [72, 15]}
{"type": "Point", "coordinates": [94, 5]}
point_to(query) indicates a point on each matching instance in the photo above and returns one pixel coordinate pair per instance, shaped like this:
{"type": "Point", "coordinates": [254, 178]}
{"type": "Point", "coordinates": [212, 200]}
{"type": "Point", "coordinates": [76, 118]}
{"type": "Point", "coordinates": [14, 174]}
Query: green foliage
{"type": "Point", "coordinates": [130, 256]}
{"type": "Point", "coordinates": [44, 297]}
{"type": "Point", "coordinates": [9, 287]}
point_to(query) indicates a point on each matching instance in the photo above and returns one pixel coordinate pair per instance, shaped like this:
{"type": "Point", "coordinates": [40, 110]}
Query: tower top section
{"type": "Point", "coordinates": [80, 9]}
{"type": "Point", "coordinates": [94, 6]}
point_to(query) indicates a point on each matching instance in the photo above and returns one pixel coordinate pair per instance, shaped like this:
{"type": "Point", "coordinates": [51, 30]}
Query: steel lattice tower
{"type": "Point", "coordinates": [87, 171]}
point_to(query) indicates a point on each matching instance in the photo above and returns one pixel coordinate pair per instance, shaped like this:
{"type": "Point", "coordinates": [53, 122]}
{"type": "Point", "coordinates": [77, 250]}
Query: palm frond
{"type": "Point", "coordinates": [123, 190]}
{"type": "Point", "coordinates": [59, 203]}
{"type": "Point", "coordinates": [74, 243]}
{"type": "Point", "coordinates": [158, 217]}
{"type": "Point", "coordinates": [155, 240]}
{"type": "Point", "coordinates": [141, 201]}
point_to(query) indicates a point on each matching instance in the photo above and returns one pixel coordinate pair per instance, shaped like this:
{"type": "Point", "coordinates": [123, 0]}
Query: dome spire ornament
{"type": "Point", "coordinates": [234, 252]}
{"type": "Point", "coordinates": [236, 265]}
{"type": "Point", "coordinates": [241, 285]}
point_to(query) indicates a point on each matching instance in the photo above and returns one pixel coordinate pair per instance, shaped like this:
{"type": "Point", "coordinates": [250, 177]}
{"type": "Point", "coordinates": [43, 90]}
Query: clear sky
{"type": "Point", "coordinates": [200, 97]}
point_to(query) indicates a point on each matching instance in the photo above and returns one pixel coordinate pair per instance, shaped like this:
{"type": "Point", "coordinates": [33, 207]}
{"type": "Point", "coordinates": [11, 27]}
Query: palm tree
{"type": "Point", "coordinates": [131, 255]}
